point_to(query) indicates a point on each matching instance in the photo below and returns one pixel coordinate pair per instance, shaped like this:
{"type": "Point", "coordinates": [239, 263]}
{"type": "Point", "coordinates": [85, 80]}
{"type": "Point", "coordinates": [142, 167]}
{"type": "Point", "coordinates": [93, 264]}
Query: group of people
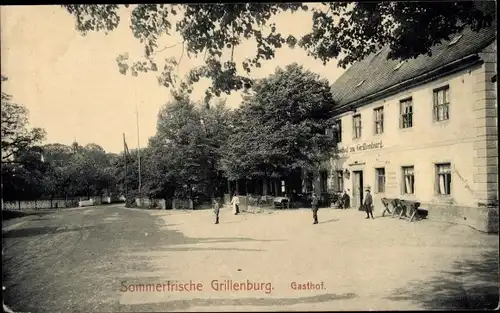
{"type": "Point", "coordinates": [344, 201]}
{"type": "Point", "coordinates": [344, 204]}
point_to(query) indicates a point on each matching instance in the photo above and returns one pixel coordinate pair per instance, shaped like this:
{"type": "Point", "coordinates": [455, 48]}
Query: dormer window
{"type": "Point", "coordinates": [399, 65]}
{"type": "Point", "coordinates": [455, 40]}
{"type": "Point", "coordinates": [360, 83]}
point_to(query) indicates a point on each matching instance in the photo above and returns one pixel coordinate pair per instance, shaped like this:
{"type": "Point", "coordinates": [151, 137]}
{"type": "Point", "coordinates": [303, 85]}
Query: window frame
{"type": "Point", "coordinates": [355, 127]}
{"type": "Point", "coordinates": [377, 181]}
{"type": "Point", "coordinates": [404, 175]}
{"type": "Point", "coordinates": [405, 116]}
{"type": "Point", "coordinates": [323, 181]}
{"type": "Point", "coordinates": [379, 121]}
{"type": "Point", "coordinates": [338, 130]}
{"type": "Point", "coordinates": [339, 180]}
{"type": "Point", "coordinates": [445, 106]}
{"type": "Point", "coordinates": [448, 177]}
{"type": "Point", "coordinates": [309, 182]}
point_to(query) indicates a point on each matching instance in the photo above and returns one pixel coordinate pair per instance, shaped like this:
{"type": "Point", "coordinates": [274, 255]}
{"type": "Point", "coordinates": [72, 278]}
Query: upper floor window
{"type": "Point", "coordinates": [379, 120]}
{"type": "Point", "coordinates": [406, 113]}
{"type": "Point", "coordinates": [441, 104]}
{"type": "Point", "coordinates": [356, 126]}
{"type": "Point", "coordinates": [338, 130]}
{"type": "Point", "coordinates": [455, 40]}
{"type": "Point", "coordinates": [399, 65]}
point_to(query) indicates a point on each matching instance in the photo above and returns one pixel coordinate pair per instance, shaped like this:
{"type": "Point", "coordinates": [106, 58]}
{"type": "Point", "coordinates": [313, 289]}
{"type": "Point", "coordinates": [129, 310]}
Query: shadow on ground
{"type": "Point", "coordinates": [12, 214]}
{"type": "Point", "coordinates": [167, 240]}
{"type": "Point", "coordinates": [187, 304]}
{"type": "Point", "coordinates": [39, 231]}
{"type": "Point", "coordinates": [329, 221]}
{"type": "Point", "coordinates": [471, 284]}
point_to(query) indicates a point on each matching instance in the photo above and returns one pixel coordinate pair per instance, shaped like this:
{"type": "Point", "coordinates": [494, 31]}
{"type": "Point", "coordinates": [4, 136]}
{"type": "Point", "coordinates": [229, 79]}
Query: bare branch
{"type": "Point", "coordinates": [168, 47]}
{"type": "Point", "coordinates": [180, 59]}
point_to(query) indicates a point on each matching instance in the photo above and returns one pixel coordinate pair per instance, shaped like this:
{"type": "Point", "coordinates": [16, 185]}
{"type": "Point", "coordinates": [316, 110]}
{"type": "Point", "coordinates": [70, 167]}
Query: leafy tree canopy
{"type": "Point", "coordinates": [17, 138]}
{"type": "Point", "coordinates": [282, 127]}
{"type": "Point", "coordinates": [345, 30]}
{"type": "Point", "coordinates": [185, 151]}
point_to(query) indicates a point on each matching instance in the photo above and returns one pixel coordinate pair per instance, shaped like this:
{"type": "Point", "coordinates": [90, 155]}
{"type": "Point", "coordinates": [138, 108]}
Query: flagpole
{"type": "Point", "coordinates": [125, 153]}
{"type": "Point", "coordinates": [138, 151]}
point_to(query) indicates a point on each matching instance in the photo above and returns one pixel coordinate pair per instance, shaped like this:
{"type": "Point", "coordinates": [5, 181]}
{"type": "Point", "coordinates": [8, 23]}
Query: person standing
{"type": "Point", "coordinates": [314, 204]}
{"type": "Point", "coordinates": [345, 200]}
{"type": "Point", "coordinates": [236, 204]}
{"type": "Point", "coordinates": [216, 206]}
{"type": "Point", "coordinates": [368, 203]}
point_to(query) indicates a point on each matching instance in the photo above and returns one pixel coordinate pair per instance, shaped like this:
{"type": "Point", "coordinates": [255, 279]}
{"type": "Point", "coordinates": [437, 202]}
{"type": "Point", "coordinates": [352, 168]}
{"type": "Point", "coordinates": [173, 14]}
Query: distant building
{"type": "Point", "coordinates": [423, 130]}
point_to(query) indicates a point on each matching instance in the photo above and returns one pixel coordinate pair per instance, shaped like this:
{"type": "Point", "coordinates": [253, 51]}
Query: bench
{"type": "Point", "coordinates": [386, 202]}
{"type": "Point", "coordinates": [404, 209]}
{"type": "Point", "coordinates": [281, 203]}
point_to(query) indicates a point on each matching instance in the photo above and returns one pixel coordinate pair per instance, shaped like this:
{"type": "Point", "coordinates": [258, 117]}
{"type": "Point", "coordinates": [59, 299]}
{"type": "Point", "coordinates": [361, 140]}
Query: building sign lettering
{"type": "Point", "coordinates": [362, 147]}
{"type": "Point", "coordinates": [391, 182]}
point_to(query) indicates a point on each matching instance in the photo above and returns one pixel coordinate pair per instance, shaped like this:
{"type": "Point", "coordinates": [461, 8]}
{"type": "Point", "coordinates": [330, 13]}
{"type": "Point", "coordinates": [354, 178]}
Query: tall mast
{"type": "Point", "coordinates": [125, 155]}
{"type": "Point", "coordinates": [138, 150]}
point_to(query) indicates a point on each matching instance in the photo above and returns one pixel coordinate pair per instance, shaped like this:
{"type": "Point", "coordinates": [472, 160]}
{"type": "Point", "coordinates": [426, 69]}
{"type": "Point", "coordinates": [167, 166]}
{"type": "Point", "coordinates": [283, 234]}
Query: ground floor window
{"type": "Point", "coordinates": [408, 180]}
{"type": "Point", "coordinates": [443, 179]}
{"type": "Point", "coordinates": [380, 180]}
{"type": "Point", "coordinates": [323, 176]}
{"type": "Point", "coordinates": [283, 188]}
{"type": "Point", "coordinates": [309, 182]}
{"type": "Point", "coordinates": [339, 177]}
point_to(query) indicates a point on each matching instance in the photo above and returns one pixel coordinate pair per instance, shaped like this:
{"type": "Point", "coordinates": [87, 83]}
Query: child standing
{"type": "Point", "coordinates": [216, 206]}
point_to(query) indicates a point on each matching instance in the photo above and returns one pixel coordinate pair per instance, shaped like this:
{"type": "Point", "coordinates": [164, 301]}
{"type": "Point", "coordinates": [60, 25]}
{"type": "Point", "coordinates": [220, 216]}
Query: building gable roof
{"type": "Point", "coordinates": [376, 73]}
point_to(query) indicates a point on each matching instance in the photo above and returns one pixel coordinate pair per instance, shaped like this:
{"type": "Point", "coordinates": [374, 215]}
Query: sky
{"type": "Point", "coordinates": [72, 87]}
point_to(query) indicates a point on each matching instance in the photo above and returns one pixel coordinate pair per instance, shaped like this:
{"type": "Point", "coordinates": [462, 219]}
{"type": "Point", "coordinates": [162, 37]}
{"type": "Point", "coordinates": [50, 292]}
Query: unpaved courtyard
{"type": "Point", "coordinates": [384, 263]}
{"type": "Point", "coordinates": [117, 259]}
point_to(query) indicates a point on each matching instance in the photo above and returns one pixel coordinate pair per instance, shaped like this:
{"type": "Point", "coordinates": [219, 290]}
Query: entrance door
{"type": "Point", "coordinates": [357, 189]}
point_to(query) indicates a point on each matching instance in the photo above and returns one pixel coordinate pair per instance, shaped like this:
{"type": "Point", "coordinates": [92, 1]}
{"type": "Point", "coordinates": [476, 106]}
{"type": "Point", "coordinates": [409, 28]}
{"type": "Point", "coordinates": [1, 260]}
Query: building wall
{"type": "Point", "coordinates": [467, 140]}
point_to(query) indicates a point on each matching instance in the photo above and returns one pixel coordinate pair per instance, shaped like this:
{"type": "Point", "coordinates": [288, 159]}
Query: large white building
{"type": "Point", "coordinates": [422, 130]}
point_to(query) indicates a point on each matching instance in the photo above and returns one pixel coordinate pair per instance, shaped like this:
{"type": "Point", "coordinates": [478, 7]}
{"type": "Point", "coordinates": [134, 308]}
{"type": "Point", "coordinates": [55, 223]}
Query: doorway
{"type": "Point", "coordinates": [357, 189]}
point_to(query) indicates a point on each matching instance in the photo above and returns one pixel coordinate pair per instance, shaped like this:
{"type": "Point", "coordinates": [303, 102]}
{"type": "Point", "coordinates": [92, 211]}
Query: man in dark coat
{"type": "Point", "coordinates": [314, 204]}
{"type": "Point", "coordinates": [345, 200]}
{"type": "Point", "coordinates": [368, 203]}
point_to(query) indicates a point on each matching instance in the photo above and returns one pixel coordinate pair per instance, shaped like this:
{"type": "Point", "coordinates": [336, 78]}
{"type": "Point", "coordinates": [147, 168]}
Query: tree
{"type": "Point", "coordinates": [343, 30]}
{"type": "Point", "coordinates": [282, 128]}
{"type": "Point", "coordinates": [23, 177]}
{"type": "Point", "coordinates": [16, 137]}
{"type": "Point", "coordinates": [90, 171]}
{"type": "Point", "coordinates": [183, 159]}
